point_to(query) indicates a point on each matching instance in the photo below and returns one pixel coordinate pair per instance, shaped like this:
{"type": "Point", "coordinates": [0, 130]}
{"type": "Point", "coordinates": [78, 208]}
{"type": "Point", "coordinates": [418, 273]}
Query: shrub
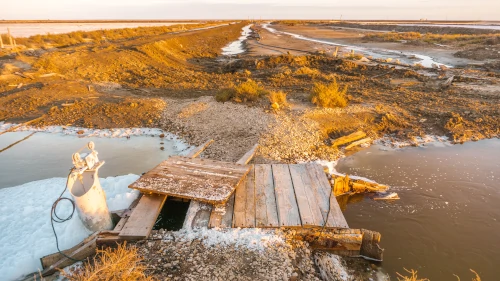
{"type": "Point", "coordinates": [329, 95]}
{"type": "Point", "coordinates": [277, 99]}
{"type": "Point", "coordinates": [225, 94]}
{"type": "Point", "coordinates": [307, 71]}
{"type": "Point", "coordinates": [249, 91]}
{"type": "Point", "coordinates": [112, 264]}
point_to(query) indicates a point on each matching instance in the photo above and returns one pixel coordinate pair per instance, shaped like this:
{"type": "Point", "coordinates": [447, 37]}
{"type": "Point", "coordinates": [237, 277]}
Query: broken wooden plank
{"type": "Point", "coordinates": [198, 150]}
{"type": "Point", "coordinates": [286, 201]}
{"type": "Point", "coordinates": [266, 213]}
{"type": "Point", "coordinates": [334, 208]}
{"type": "Point", "coordinates": [370, 247]}
{"type": "Point", "coordinates": [197, 179]}
{"type": "Point", "coordinates": [51, 259]}
{"type": "Point", "coordinates": [13, 128]}
{"type": "Point", "coordinates": [143, 217]}
{"type": "Point", "coordinates": [83, 252]}
{"type": "Point", "coordinates": [310, 213]}
{"type": "Point", "coordinates": [222, 216]}
{"type": "Point", "coordinates": [349, 138]}
{"type": "Point", "coordinates": [360, 142]}
{"type": "Point", "coordinates": [331, 239]}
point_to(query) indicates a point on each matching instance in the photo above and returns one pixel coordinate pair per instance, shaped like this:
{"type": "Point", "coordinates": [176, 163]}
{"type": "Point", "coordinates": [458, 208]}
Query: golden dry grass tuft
{"type": "Point", "coordinates": [225, 94]}
{"type": "Point", "coordinates": [120, 264]}
{"type": "Point", "coordinates": [249, 91]}
{"type": "Point", "coordinates": [329, 95]}
{"type": "Point", "coordinates": [278, 99]}
{"type": "Point", "coordinates": [307, 71]}
{"type": "Point", "coordinates": [412, 277]}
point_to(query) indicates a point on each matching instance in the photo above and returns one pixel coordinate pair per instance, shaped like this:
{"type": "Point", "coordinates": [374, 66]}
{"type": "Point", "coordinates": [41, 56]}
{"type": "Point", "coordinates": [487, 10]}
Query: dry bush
{"type": "Point", "coordinates": [278, 99]}
{"type": "Point", "coordinates": [225, 94]}
{"type": "Point", "coordinates": [336, 124]}
{"type": "Point", "coordinates": [121, 264]}
{"type": "Point", "coordinates": [307, 71]}
{"type": "Point", "coordinates": [329, 95]}
{"type": "Point", "coordinates": [249, 91]}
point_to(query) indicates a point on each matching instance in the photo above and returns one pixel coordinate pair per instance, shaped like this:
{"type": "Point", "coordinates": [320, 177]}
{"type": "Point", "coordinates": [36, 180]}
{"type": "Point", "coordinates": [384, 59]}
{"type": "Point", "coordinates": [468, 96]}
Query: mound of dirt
{"type": "Point", "coordinates": [481, 53]}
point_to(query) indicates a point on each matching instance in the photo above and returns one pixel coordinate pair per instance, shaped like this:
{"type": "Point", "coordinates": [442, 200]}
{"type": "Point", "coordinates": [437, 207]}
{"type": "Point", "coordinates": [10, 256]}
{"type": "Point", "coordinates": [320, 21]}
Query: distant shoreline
{"type": "Point", "coordinates": [215, 20]}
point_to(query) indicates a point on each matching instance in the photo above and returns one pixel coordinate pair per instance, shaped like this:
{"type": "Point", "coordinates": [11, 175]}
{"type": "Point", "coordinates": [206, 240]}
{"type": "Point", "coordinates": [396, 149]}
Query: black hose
{"type": "Point", "coordinates": [54, 217]}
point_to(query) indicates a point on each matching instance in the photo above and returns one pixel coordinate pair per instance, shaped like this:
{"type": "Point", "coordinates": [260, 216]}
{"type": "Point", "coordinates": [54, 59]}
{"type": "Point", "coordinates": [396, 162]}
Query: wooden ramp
{"type": "Point", "coordinates": [273, 196]}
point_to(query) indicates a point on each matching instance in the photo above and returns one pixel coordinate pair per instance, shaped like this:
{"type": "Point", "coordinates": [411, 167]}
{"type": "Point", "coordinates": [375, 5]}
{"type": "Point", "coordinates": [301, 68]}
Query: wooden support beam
{"type": "Point", "coordinates": [331, 240]}
{"type": "Point", "coordinates": [198, 150]}
{"type": "Point", "coordinates": [141, 221]}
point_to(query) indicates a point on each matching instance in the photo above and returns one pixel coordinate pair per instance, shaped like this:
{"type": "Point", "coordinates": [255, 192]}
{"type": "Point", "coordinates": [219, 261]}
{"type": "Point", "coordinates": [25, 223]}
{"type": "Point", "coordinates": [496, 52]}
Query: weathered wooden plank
{"type": "Point", "coordinates": [83, 252]}
{"type": "Point", "coordinates": [250, 199]}
{"type": "Point", "coordinates": [287, 208]}
{"type": "Point", "coordinates": [198, 150]}
{"type": "Point", "coordinates": [143, 217]}
{"type": "Point", "coordinates": [310, 213]}
{"type": "Point", "coordinates": [222, 216]}
{"type": "Point", "coordinates": [322, 195]}
{"type": "Point", "coordinates": [51, 259]}
{"type": "Point", "coordinates": [198, 179]}
{"type": "Point", "coordinates": [370, 247]}
{"type": "Point", "coordinates": [198, 215]}
{"type": "Point", "coordinates": [244, 205]}
{"type": "Point", "coordinates": [334, 208]}
{"type": "Point", "coordinates": [266, 213]}
{"type": "Point", "coordinates": [248, 156]}
{"type": "Point", "coordinates": [349, 138]}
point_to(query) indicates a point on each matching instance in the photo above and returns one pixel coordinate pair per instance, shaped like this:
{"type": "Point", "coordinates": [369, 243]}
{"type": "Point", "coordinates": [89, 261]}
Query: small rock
{"type": "Point", "coordinates": [81, 132]}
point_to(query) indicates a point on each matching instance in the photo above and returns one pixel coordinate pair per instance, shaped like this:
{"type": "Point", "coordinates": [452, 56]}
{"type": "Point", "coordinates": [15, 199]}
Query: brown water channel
{"type": "Point", "coordinates": [448, 218]}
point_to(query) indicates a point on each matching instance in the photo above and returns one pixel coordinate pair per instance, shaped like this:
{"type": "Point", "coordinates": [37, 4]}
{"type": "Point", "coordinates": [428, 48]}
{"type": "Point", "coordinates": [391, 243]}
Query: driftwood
{"type": "Point", "coordinates": [349, 138]}
{"type": "Point", "coordinates": [360, 142]}
{"type": "Point", "coordinates": [343, 185]}
{"type": "Point", "coordinates": [344, 242]}
{"type": "Point", "coordinates": [448, 82]}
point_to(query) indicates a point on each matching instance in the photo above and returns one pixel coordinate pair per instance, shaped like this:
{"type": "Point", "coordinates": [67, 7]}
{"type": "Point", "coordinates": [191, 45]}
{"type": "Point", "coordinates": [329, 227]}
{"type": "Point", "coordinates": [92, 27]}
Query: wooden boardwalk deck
{"type": "Point", "coordinates": [273, 196]}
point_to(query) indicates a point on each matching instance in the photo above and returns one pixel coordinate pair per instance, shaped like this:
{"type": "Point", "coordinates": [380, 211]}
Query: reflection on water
{"type": "Point", "coordinates": [448, 218]}
{"type": "Point", "coordinates": [47, 155]}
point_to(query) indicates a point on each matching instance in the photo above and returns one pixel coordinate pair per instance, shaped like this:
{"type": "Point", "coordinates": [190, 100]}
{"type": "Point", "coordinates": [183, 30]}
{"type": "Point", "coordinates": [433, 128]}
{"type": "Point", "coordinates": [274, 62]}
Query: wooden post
{"type": "Point", "coordinates": [10, 38]}
{"type": "Point", "coordinates": [336, 52]}
{"type": "Point", "coordinates": [1, 42]}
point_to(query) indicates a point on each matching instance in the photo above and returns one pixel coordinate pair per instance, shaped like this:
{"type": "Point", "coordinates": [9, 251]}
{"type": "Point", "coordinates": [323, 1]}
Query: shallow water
{"type": "Point", "coordinates": [237, 46]}
{"type": "Point", "coordinates": [405, 57]}
{"type": "Point", "coordinates": [29, 29]}
{"type": "Point", "coordinates": [448, 218]}
{"type": "Point", "coordinates": [47, 155]}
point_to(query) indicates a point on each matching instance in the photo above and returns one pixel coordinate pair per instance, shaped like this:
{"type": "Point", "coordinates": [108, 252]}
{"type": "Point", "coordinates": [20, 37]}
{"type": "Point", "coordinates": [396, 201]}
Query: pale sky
{"type": "Point", "coordinates": [243, 9]}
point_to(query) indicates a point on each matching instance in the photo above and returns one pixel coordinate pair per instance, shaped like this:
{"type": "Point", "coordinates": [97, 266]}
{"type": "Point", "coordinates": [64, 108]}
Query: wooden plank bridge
{"type": "Point", "coordinates": [296, 196]}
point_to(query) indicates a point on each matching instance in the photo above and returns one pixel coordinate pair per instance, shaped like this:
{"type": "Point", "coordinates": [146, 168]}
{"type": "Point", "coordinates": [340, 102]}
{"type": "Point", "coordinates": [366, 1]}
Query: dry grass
{"type": "Point", "coordinates": [193, 109]}
{"type": "Point", "coordinates": [225, 94]}
{"type": "Point", "coordinates": [98, 36]}
{"type": "Point", "coordinates": [277, 99]}
{"type": "Point", "coordinates": [249, 91]}
{"type": "Point", "coordinates": [329, 95]}
{"type": "Point", "coordinates": [413, 276]}
{"type": "Point", "coordinates": [487, 39]}
{"type": "Point", "coordinates": [307, 71]}
{"type": "Point", "coordinates": [121, 264]}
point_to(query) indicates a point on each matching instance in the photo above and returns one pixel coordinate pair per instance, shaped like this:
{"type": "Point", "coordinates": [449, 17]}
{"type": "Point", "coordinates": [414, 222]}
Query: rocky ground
{"type": "Point", "coordinates": [242, 254]}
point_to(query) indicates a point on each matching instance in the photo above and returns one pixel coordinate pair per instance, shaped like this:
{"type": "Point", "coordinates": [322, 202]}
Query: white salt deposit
{"type": "Point", "coordinates": [85, 132]}
{"type": "Point", "coordinates": [25, 230]}
{"type": "Point", "coordinates": [252, 238]}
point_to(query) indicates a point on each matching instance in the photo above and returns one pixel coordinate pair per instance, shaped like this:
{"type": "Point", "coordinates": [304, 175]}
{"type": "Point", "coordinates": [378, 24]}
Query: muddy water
{"type": "Point", "coordinates": [46, 155]}
{"type": "Point", "coordinates": [448, 218]}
